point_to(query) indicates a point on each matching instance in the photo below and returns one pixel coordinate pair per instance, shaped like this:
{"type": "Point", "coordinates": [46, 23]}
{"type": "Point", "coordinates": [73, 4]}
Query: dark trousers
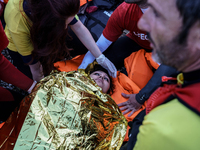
{"type": "Point", "coordinates": [18, 62]}
{"type": "Point", "coordinates": [9, 100]}
{"type": "Point", "coordinates": [120, 49]}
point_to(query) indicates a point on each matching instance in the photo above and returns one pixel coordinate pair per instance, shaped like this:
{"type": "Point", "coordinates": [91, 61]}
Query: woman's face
{"type": "Point", "coordinates": [101, 79]}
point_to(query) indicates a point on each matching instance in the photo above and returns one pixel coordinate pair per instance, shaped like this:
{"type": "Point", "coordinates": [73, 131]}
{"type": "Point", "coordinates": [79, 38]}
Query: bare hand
{"type": "Point", "coordinates": [36, 70]}
{"type": "Point", "coordinates": [131, 105]}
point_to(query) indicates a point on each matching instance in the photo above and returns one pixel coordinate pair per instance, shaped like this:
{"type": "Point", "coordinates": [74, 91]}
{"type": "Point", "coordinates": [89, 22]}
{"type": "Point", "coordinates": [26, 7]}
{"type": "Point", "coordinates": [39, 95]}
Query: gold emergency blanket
{"type": "Point", "coordinates": [69, 111]}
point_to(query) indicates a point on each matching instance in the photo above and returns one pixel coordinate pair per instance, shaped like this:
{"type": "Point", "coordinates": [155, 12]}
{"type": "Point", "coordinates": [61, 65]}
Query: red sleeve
{"type": "Point", "coordinates": [12, 75]}
{"type": "Point", "coordinates": [126, 17]}
{"type": "Point", "coordinates": [8, 72]}
{"type": "Point", "coordinates": [3, 38]}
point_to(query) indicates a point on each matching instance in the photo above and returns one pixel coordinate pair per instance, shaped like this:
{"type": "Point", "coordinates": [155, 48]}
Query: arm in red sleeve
{"type": "Point", "coordinates": [12, 75]}
{"type": "Point", "coordinates": [3, 38]}
{"type": "Point", "coordinates": [126, 17]}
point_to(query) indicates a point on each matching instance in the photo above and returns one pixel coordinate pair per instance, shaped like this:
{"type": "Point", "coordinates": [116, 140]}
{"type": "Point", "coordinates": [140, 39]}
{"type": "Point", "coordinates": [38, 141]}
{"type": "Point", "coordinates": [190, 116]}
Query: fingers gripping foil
{"type": "Point", "coordinates": [69, 111]}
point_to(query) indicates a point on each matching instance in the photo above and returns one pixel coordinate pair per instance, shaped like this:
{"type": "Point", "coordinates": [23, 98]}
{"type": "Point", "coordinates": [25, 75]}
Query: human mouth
{"type": "Point", "coordinates": [150, 40]}
{"type": "Point", "coordinates": [99, 80]}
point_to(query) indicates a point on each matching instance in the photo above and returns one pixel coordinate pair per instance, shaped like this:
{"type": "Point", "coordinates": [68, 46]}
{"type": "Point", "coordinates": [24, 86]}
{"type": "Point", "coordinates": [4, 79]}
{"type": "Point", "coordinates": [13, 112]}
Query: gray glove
{"type": "Point", "coordinates": [103, 44]}
{"type": "Point", "coordinates": [32, 86]}
{"type": "Point", "coordinates": [107, 64]}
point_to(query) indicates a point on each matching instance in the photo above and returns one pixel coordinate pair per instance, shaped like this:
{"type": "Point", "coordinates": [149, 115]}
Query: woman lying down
{"type": "Point", "coordinates": [67, 110]}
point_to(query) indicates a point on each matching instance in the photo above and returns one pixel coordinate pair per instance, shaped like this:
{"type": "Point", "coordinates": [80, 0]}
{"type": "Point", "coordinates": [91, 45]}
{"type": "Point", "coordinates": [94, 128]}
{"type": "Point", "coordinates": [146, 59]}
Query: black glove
{"type": "Point", "coordinates": [155, 82]}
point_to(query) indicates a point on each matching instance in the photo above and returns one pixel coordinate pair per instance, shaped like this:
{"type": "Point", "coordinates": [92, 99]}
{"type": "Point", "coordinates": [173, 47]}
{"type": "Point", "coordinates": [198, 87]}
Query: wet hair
{"type": "Point", "coordinates": [98, 67]}
{"type": "Point", "coordinates": [48, 30]}
{"type": "Point", "coordinates": [190, 12]}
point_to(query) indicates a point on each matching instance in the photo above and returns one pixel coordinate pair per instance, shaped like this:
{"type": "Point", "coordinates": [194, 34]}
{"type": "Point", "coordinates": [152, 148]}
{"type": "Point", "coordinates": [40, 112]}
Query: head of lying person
{"type": "Point", "coordinates": [102, 78]}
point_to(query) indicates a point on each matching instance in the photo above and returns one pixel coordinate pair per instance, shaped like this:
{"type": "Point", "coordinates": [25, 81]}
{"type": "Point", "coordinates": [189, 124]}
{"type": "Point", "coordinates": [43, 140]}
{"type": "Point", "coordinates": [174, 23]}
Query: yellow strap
{"type": "Point", "coordinates": [180, 78]}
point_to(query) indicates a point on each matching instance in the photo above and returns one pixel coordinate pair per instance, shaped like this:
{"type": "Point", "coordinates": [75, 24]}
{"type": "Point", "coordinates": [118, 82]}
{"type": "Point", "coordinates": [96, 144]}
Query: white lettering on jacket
{"type": "Point", "coordinates": [142, 36]}
{"type": "Point", "coordinates": [108, 13]}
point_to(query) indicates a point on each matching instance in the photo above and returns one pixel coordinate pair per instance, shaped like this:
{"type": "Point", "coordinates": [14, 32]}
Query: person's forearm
{"type": "Point", "coordinates": [36, 70]}
{"type": "Point", "coordinates": [103, 43]}
{"type": "Point", "coordinates": [12, 75]}
{"type": "Point", "coordinates": [86, 38]}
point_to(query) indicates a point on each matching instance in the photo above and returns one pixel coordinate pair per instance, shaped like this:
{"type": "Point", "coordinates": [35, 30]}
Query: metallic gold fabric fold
{"type": "Point", "coordinates": [69, 111]}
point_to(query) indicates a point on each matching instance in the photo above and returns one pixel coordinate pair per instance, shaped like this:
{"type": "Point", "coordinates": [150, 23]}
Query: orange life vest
{"type": "Point", "coordinates": [82, 2]}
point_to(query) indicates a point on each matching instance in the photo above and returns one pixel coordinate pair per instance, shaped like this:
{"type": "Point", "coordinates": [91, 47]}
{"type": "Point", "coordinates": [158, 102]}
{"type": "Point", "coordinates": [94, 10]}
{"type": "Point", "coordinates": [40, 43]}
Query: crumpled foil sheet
{"type": "Point", "coordinates": [70, 112]}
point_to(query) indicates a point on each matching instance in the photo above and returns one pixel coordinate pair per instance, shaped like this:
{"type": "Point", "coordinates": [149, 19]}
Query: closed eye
{"type": "Point", "coordinates": [154, 10]}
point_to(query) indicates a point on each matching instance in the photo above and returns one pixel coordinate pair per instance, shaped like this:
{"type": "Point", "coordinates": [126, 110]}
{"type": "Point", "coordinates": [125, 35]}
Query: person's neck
{"type": "Point", "coordinates": [192, 67]}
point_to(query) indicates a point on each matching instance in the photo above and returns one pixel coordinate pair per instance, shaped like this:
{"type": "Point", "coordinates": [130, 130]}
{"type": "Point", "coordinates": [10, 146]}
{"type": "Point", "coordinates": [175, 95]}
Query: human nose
{"type": "Point", "coordinates": [143, 23]}
{"type": "Point", "coordinates": [101, 76]}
